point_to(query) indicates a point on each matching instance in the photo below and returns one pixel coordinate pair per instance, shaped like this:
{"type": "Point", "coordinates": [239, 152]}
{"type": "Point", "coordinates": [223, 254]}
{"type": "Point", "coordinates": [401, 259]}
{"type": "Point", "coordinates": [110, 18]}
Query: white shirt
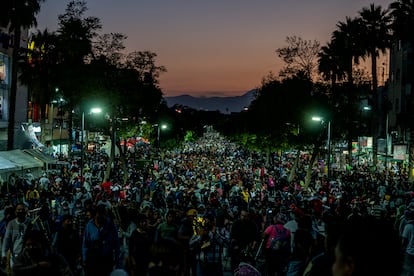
{"type": "Point", "coordinates": [292, 226]}
{"type": "Point", "coordinates": [44, 182]}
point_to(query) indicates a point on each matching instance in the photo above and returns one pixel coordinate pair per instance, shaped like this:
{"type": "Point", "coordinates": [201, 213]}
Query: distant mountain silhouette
{"type": "Point", "coordinates": [225, 105]}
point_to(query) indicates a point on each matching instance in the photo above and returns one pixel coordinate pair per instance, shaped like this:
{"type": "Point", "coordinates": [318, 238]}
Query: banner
{"type": "Point", "coordinates": [400, 152]}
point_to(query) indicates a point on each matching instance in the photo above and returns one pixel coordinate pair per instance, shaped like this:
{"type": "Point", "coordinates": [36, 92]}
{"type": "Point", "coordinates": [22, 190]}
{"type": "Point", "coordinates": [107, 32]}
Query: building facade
{"type": "Point", "coordinates": [400, 96]}
{"type": "Point", "coordinates": [5, 84]}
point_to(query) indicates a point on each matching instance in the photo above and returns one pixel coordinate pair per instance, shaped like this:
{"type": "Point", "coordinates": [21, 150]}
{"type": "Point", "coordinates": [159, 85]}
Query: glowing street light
{"type": "Point", "coordinates": [320, 119]}
{"type": "Point", "coordinates": [92, 111]}
{"type": "Point", "coordinates": [159, 127]}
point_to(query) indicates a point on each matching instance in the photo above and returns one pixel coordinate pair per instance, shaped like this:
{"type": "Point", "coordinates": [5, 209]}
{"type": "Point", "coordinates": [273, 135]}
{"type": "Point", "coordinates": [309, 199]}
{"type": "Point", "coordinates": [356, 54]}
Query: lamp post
{"type": "Point", "coordinates": [319, 119]}
{"type": "Point", "coordinates": [329, 150]}
{"type": "Point", "coordinates": [82, 139]}
{"type": "Point", "coordinates": [60, 126]}
{"type": "Point", "coordinates": [158, 136]}
{"type": "Point", "coordinates": [93, 111]}
{"type": "Point", "coordinates": [159, 127]}
{"type": "Point", "coordinates": [387, 140]}
{"type": "Point", "coordinates": [365, 108]}
{"type": "Point", "coordinates": [58, 117]}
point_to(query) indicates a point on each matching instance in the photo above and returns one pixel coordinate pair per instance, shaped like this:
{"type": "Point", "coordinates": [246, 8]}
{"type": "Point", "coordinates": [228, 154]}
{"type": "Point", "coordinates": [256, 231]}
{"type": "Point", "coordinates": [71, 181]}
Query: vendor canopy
{"type": "Point", "coordinates": [21, 160]}
{"type": "Point", "coordinates": [6, 165]}
{"type": "Point", "coordinates": [39, 155]}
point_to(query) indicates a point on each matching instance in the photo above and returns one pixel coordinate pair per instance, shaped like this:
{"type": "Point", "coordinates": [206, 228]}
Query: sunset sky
{"type": "Point", "coordinates": [214, 47]}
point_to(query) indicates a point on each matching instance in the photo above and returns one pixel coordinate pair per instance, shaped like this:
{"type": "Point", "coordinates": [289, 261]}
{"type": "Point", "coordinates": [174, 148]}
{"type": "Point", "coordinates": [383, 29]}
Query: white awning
{"type": "Point", "coordinates": [20, 159]}
{"type": "Point", "coordinates": [6, 165]}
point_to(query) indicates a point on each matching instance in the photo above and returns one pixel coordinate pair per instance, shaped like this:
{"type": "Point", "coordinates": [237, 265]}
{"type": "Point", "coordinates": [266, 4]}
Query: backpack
{"type": "Point", "coordinates": [245, 269]}
{"type": "Point", "coordinates": [281, 241]}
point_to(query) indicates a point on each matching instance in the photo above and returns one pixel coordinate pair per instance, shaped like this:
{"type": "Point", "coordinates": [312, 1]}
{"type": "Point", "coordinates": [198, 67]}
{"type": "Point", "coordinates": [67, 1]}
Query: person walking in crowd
{"type": "Point", "coordinates": [166, 257]}
{"type": "Point", "coordinates": [32, 195]}
{"type": "Point", "coordinates": [321, 264]}
{"type": "Point", "coordinates": [127, 226]}
{"type": "Point", "coordinates": [408, 244]}
{"type": "Point", "coordinates": [167, 229]}
{"type": "Point", "coordinates": [139, 248]}
{"type": "Point", "coordinates": [292, 225]}
{"type": "Point", "coordinates": [302, 247]}
{"type": "Point", "coordinates": [68, 243]}
{"type": "Point", "coordinates": [13, 238]}
{"type": "Point", "coordinates": [44, 182]}
{"type": "Point", "coordinates": [244, 235]}
{"type": "Point", "coordinates": [45, 223]}
{"type": "Point", "coordinates": [9, 214]}
{"type": "Point", "coordinates": [36, 258]}
{"type": "Point", "coordinates": [403, 220]}
{"type": "Point", "coordinates": [277, 248]}
{"type": "Point", "coordinates": [100, 246]}
{"type": "Point", "coordinates": [208, 245]}
{"type": "Point", "coordinates": [368, 246]}
{"type": "Point", "coordinates": [185, 233]}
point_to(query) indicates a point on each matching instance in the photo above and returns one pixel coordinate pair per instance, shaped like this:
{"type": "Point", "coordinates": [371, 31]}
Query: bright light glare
{"type": "Point", "coordinates": [96, 110]}
{"type": "Point", "coordinates": [316, 118]}
{"type": "Point", "coordinates": [164, 126]}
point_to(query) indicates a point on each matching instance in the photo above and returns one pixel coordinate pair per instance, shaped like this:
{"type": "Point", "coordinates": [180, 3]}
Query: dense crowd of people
{"type": "Point", "coordinates": [208, 208]}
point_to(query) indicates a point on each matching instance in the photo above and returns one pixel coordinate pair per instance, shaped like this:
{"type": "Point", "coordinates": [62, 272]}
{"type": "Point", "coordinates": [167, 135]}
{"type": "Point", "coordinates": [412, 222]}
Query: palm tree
{"type": "Point", "coordinates": [376, 36]}
{"type": "Point", "coordinates": [329, 64]}
{"type": "Point", "coordinates": [346, 40]}
{"type": "Point", "coordinates": [402, 12]}
{"type": "Point", "coordinates": [16, 15]}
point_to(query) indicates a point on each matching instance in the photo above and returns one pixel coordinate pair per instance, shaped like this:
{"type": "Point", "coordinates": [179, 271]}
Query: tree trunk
{"type": "Point", "coordinates": [13, 88]}
{"type": "Point", "coordinates": [123, 150]}
{"type": "Point", "coordinates": [294, 167]}
{"type": "Point", "coordinates": [311, 163]}
{"type": "Point", "coordinates": [374, 71]}
{"type": "Point", "coordinates": [374, 151]}
{"type": "Point", "coordinates": [374, 95]}
{"type": "Point", "coordinates": [267, 157]}
{"type": "Point", "coordinates": [350, 151]}
{"type": "Point", "coordinates": [70, 130]}
{"type": "Point", "coordinates": [111, 156]}
{"type": "Point", "coordinates": [124, 163]}
{"type": "Point", "coordinates": [113, 145]}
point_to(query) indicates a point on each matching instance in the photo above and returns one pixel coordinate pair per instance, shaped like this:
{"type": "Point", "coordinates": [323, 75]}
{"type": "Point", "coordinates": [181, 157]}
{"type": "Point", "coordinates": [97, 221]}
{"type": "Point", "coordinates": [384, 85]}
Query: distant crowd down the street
{"type": "Point", "coordinates": [207, 208]}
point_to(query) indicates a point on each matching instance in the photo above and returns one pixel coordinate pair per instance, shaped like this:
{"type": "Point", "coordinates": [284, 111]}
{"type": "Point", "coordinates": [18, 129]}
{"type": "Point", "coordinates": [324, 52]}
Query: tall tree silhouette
{"type": "Point", "coordinates": [329, 64]}
{"type": "Point", "coordinates": [38, 70]}
{"type": "Point", "coordinates": [375, 39]}
{"type": "Point", "coordinates": [347, 38]}
{"type": "Point", "coordinates": [376, 36]}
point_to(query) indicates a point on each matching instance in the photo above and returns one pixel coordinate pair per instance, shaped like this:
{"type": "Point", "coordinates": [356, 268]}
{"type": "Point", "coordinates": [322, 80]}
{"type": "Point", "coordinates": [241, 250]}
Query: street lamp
{"type": "Point", "coordinates": [320, 119]}
{"type": "Point", "coordinates": [159, 127]}
{"type": "Point", "coordinates": [387, 146]}
{"type": "Point", "coordinates": [92, 111]}
{"type": "Point", "coordinates": [58, 116]}
{"type": "Point", "coordinates": [364, 108]}
{"type": "Point", "coordinates": [61, 100]}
